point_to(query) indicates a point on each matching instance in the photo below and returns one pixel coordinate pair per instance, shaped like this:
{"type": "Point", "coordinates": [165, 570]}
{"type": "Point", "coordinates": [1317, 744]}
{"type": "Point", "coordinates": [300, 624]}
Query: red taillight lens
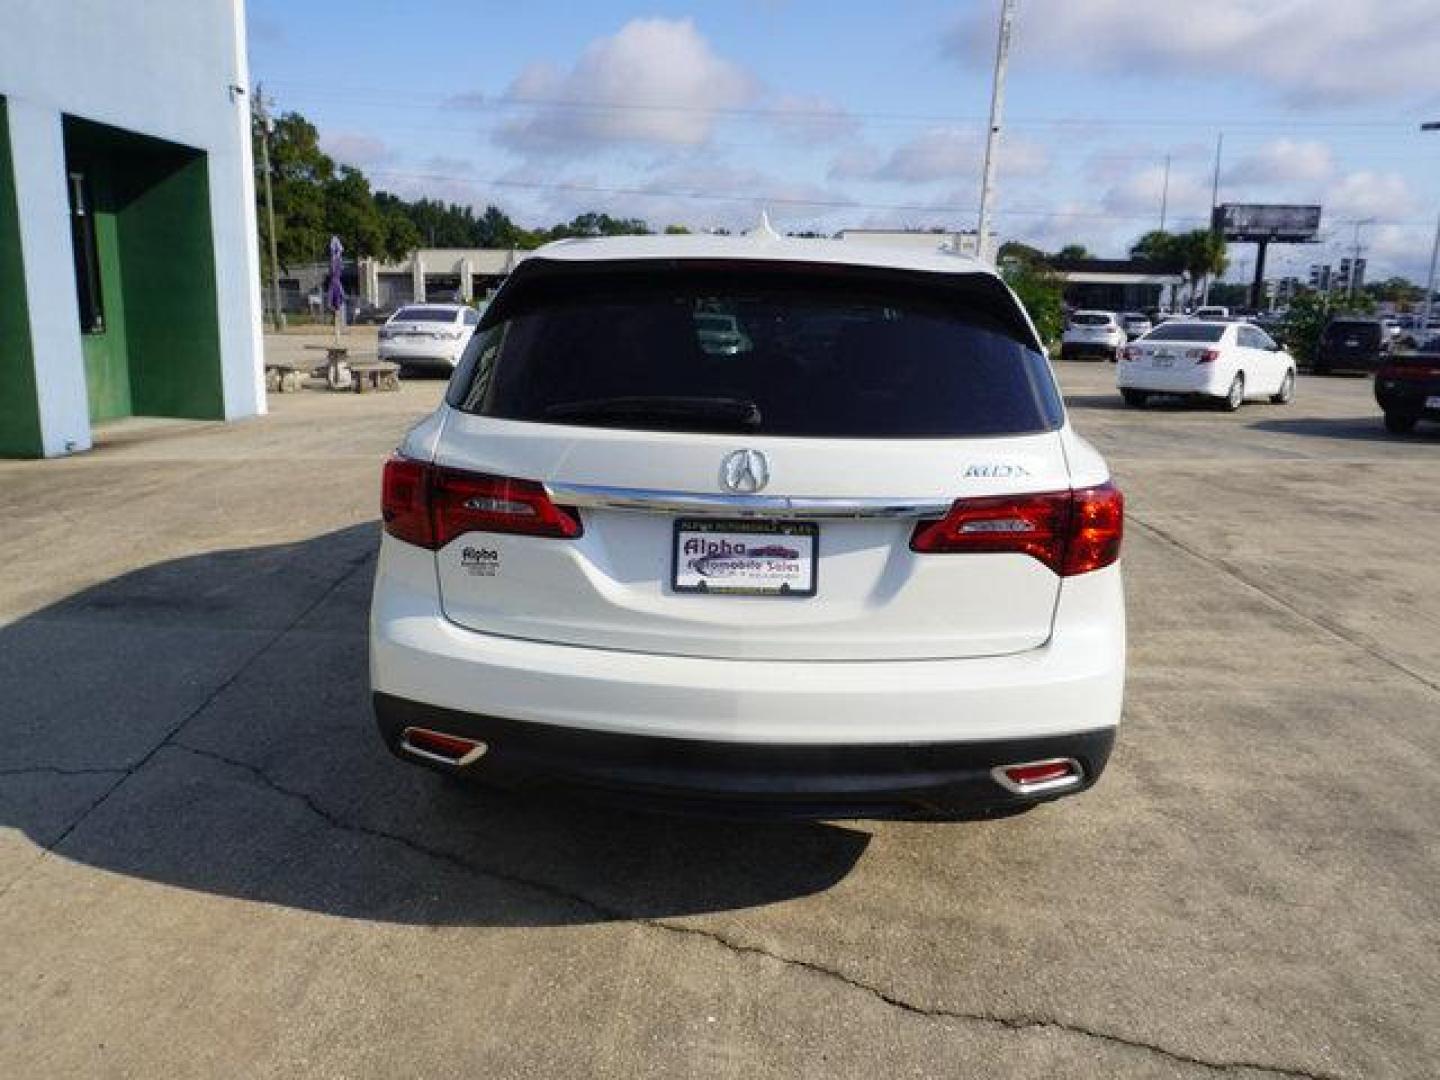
{"type": "Point", "coordinates": [1097, 526]}
{"type": "Point", "coordinates": [429, 506]}
{"type": "Point", "coordinates": [1205, 356]}
{"type": "Point", "coordinates": [1408, 372]}
{"type": "Point", "coordinates": [405, 501]}
{"type": "Point", "coordinates": [1030, 524]}
{"type": "Point", "coordinates": [1071, 532]}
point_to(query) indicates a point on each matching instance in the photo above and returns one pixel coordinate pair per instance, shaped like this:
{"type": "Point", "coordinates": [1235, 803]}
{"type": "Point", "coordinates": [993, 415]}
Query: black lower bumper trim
{"type": "Point", "coordinates": [907, 780]}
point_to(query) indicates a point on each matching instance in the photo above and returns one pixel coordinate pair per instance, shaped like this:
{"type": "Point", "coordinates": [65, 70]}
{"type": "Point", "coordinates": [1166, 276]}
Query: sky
{"type": "Point", "coordinates": [848, 114]}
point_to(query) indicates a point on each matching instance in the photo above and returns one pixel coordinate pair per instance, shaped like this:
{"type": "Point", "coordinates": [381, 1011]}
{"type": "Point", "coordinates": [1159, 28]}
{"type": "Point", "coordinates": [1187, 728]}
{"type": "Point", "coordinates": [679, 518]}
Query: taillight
{"type": "Point", "coordinates": [1130, 353]}
{"type": "Point", "coordinates": [1071, 532]}
{"type": "Point", "coordinates": [1408, 372]}
{"type": "Point", "coordinates": [429, 505]}
{"type": "Point", "coordinates": [1205, 356]}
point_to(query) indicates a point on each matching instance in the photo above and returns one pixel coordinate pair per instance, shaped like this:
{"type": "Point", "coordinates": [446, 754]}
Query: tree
{"type": "Point", "coordinates": [299, 171]}
{"type": "Point", "coordinates": [1074, 251]}
{"type": "Point", "coordinates": [1040, 291]}
{"type": "Point", "coordinates": [351, 214]}
{"type": "Point", "coordinates": [676, 230]}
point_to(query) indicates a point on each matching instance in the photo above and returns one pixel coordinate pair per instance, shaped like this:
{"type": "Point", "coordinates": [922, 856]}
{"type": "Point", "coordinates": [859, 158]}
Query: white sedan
{"type": "Point", "coordinates": [428, 335]}
{"type": "Point", "coordinates": [1227, 362]}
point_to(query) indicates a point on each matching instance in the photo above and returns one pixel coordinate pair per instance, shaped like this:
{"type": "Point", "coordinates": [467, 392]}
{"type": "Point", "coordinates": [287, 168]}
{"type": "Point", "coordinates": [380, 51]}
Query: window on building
{"type": "Point", "coordinates": [87, 256]}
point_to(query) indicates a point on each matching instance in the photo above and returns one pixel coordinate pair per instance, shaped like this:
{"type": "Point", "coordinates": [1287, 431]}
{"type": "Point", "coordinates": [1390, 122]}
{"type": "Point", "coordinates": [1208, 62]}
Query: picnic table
{"type": "Point", "coordinates": [375, 375]}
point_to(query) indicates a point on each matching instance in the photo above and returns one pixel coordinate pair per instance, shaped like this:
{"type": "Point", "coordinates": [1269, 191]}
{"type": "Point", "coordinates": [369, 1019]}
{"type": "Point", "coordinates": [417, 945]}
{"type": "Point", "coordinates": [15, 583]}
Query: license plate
{"type": "Point", "coordinates": [745, 558]}
{"type": "Point", "coordinates": [1164, 361]}
{"type": "Point", "coordinates": [1432, 402]}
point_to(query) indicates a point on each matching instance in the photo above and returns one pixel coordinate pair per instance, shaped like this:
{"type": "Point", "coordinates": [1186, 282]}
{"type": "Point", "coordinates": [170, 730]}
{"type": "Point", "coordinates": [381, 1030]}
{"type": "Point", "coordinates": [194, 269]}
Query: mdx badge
{"type": "Point", "coordinates": [744, 472]}
{"type": "Point", "coordinates": [997, 470]}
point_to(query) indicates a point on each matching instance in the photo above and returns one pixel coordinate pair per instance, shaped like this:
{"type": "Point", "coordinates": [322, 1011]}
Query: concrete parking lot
{"type": "Point", "coordinates": [209, 866]}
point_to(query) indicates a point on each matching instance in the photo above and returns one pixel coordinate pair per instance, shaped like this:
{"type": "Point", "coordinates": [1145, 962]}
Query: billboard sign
{"type": "Point", "coordinates": [1255, 223]}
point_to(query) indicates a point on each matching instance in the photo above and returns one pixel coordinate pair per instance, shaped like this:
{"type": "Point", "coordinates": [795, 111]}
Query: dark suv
{"type": "Point", "coordinates": [1351, 344]}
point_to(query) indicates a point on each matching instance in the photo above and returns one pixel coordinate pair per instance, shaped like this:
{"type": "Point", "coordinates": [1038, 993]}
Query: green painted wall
{"type": "Point", "coordinates": [107, 370]}
{"type": "Point", "coordinates": [172, 321]}
{"type": "Point", "coordinates": [19, 406]}
{"type": "Point", "coordinates": [160, 352]}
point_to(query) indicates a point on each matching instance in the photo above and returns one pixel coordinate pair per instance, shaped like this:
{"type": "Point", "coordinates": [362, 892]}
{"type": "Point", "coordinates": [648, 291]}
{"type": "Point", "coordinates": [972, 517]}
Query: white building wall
{"type": "Point", "coordinates": [171, 69]}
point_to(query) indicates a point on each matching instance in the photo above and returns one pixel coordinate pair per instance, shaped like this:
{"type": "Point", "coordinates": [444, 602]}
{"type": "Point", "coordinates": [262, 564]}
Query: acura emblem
{"type": "Point", "coordinates": [744, 471]}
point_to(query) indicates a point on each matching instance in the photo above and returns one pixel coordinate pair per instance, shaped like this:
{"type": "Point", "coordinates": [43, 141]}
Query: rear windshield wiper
{"type": "Point", "coordinates": [682, 412]}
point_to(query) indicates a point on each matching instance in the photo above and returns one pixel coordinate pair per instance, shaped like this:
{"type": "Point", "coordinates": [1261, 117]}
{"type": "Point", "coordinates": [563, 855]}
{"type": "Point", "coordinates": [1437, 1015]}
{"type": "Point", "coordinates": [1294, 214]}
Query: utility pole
{"type": "Point", "coordinates": [992, 137]}
{"type": "Point", "coordinates": [1165, 193]}
{"type": "Point", "coordinates": [261, 114]}
{"type": "Point", "coordinates": [1432, 125]}
{"type": "Point", "coordinates": [1214, 203]}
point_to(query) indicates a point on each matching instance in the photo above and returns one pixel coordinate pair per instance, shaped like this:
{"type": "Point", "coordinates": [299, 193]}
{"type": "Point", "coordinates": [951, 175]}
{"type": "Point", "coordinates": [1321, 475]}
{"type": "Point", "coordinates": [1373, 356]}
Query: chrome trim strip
{"type": "Point", "coordinates": [775, 506]}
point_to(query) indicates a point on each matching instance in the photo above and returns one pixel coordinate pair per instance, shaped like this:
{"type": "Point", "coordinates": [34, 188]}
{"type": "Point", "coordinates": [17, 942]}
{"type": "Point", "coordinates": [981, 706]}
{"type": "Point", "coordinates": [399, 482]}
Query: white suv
{"type": "Point", "coordinates": [851, 560]}
{"type": "Point", "coordinates": [1093, 333]}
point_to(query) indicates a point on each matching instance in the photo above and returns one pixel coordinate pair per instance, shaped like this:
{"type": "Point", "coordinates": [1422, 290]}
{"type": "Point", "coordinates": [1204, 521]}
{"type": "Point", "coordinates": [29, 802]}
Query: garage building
{"type": "Point", "coordinates": [129, 283]}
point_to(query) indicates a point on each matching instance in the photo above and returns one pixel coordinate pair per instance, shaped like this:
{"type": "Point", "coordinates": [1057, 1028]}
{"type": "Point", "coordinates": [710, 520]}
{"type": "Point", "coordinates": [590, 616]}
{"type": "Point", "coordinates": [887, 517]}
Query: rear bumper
{"type": "Point", "coordinates": [1197, 379]}
{"type": "Point", "coordinates": [921, 780]}
{"type": "Point", "coordinates": [430, 352]}
{"type": "Point", "coordinates": [1407, 398]}
{"type": "Point", "coordinates": [1103, 349]}
{"type": "Point", "coordinates": [1327, 360]}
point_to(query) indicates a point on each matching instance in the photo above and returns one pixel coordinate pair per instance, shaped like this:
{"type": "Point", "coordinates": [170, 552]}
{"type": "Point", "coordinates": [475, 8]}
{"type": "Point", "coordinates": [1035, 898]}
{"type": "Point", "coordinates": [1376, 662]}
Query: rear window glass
{"type": "Point", "coordinates": [1085, 318]}
{"type": "Point", "coordinates": [1186, 332]}
{"type": "Point", "coordinates": [1365, 331]}
{"type": "Point", "coordinates": [421, 314]}
{"type": "Point", "coordinates": [733, 352]}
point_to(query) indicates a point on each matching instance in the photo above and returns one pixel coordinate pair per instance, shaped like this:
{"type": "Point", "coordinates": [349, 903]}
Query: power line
{"type": "Point", "coordinates": [483, 102]}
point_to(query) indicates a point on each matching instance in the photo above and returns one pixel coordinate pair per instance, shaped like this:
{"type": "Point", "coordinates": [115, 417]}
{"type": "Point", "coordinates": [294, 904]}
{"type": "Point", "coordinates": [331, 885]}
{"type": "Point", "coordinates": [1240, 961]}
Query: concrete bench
{"type": "Point", "coordinates": [285, 376]}
{"type": "Point", "coordinates": [375, 375]}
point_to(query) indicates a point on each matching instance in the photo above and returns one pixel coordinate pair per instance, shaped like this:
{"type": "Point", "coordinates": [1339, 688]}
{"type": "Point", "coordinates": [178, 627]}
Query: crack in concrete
{"type": "Point", "coordinates": [577, 899]}
{"type": "Point", "coordinates": [56, 770]}
{"type": "Point", "coordinates": [1334, 629]}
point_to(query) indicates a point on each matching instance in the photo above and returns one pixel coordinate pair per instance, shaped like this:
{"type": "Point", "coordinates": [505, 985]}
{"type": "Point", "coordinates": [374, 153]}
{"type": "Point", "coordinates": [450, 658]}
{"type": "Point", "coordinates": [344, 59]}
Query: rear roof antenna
{"type": "Point", "coordinates": [764, 230]}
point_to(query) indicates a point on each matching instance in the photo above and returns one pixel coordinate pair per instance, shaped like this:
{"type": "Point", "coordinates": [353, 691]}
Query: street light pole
{"type": "Point", "coordinates": [992, 137]}
{"type": "Point", "coordinates": [1432, 125]}
{"type": "Point", "coordinates": [276, 315]}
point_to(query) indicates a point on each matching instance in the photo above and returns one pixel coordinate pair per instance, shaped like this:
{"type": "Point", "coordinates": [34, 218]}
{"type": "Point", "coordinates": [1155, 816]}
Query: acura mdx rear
{"type": "Point", "coordinates": [844, 558]}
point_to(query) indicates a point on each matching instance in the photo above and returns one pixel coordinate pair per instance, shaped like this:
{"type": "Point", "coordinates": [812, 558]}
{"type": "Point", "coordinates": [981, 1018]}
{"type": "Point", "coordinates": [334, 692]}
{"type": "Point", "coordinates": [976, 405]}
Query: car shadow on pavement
{"type": "Point", "coordinates": [205, 723]}
{"type": "Point", "coordinates": [1358, 428]}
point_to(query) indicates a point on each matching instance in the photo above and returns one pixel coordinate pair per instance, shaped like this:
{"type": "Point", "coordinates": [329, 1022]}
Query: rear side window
{"type": "Point", "coordinates": [691, 351]}
{"type": "Point", "coordinates": [1186, 332]}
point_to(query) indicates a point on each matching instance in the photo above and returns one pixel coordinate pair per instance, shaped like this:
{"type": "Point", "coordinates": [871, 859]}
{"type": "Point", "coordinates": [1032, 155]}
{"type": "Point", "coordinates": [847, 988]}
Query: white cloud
{"type": "Point", "coordinates": [1284, 161]}
{"type": "Point", "coordinates": [938, 154]}
{"type": "Point", "coordinates": [655, 81]}
{"type": "Point", "coordinates": [1370, 194]}
{"type": "Point", "coordinates": [1187, 200]}
{"type": "Point", "coordinates": [351, 148]}
{"type": "Point", "coordinates": [812, 120]}
{"type": "Point", "coordinates": [1310, 52]}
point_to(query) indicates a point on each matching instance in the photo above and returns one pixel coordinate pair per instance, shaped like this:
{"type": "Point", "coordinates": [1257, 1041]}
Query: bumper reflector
{"type": "Point", "coordinates": [1036, 777]}
{"type": "Point", "coordinates": [437, 746]}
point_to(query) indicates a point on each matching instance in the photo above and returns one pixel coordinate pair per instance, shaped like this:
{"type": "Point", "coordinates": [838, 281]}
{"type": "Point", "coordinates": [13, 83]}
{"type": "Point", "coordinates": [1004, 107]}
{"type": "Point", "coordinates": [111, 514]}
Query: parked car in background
{"type": "Point", "coordinates": [1350, 343]}
{"type": "Point", "coordinates": [1212, 312]}
{"type": "Point", "coordinates": [862, 567]}
{"type": "Point", "coordinates": [1135, 324]}
{"type": "Point", "coordinates": [1092, 333]}
{"type": "Point", "coordinates": [1407, 386]}
{"type": "Point", "coordinates": [428, 335]}
{"type": "Point", "coordinates": [365, 313]}
{"type": "Point", "coordinates": [1225, 362]}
